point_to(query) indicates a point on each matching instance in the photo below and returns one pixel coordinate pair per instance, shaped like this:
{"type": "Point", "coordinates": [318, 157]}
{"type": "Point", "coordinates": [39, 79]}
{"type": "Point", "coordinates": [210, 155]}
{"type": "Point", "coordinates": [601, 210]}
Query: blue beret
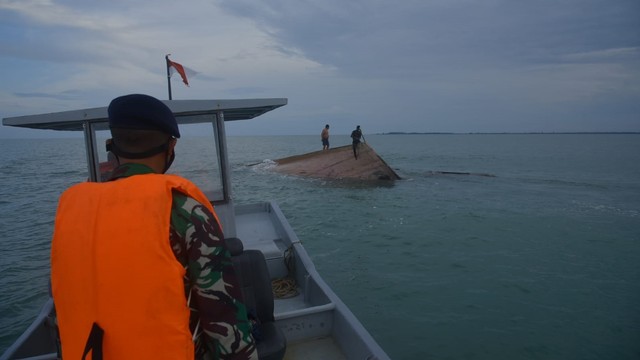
{"type": "Point", "coordinates": [142, 112]}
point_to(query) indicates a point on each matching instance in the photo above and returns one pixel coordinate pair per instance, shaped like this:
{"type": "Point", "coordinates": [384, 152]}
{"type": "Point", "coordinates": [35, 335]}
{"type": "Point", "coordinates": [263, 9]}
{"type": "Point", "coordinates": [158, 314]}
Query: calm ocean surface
{"type": "Point", "coordinates": [535, 255]}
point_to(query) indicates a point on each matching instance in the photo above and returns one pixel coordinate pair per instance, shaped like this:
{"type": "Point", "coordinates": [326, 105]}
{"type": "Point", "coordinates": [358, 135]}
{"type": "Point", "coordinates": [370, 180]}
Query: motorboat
{"type": "Point", "coordinates": [302, 308]}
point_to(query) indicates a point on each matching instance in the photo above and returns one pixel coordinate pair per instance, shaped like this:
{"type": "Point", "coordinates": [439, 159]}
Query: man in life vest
{"type": "Point", "coordinates": [139, 268]}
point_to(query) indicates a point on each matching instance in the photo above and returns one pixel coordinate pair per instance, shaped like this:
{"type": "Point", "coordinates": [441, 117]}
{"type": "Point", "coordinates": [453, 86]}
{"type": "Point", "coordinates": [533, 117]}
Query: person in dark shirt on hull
{"type": "Point", "coordinates": [356, 136]}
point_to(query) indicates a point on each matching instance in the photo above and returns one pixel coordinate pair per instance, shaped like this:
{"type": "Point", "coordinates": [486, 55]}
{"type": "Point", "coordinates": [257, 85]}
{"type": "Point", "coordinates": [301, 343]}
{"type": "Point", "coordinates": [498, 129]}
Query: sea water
{"type": "Point", "coordinates": [491, 247]}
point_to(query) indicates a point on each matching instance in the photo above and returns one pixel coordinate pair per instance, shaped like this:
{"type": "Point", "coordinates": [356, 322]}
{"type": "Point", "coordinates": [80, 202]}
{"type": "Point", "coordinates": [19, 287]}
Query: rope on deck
{"type": "Point", "coordinates": [286, 287]}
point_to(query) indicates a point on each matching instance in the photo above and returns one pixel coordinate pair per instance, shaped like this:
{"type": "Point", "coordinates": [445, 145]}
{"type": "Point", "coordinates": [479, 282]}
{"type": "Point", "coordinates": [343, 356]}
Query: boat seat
{"type": "Point", "coordinates": [253, 275]}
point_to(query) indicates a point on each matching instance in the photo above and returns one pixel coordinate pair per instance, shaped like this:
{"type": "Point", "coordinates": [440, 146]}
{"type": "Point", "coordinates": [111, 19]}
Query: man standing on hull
{"type": "Point", "coordinates": [356, 135]}
{"type": "Point", "coordinates": [139, 267]}
{"type": "Point", "coordinates": [325, 137]}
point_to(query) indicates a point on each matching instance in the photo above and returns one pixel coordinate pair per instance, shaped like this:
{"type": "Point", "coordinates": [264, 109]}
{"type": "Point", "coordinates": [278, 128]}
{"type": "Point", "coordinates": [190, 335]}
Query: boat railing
{"type": "Point", "coordinates": [41, 334]}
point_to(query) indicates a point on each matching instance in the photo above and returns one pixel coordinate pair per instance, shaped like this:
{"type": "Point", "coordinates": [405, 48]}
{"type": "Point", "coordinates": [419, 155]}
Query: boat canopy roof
{"type": "Point", "coordinates": [185, 111]}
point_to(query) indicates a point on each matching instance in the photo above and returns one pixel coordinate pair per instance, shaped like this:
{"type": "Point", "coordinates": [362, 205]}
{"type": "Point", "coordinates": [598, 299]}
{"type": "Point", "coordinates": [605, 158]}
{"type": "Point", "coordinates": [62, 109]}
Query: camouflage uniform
{"type": "Point", "coordinates": [218, 317]}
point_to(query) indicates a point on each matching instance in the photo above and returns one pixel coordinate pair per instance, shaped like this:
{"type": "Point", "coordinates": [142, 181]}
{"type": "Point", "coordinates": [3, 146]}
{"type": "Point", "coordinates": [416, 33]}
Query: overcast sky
{"type": "Point", "coordinates": [395, 65]}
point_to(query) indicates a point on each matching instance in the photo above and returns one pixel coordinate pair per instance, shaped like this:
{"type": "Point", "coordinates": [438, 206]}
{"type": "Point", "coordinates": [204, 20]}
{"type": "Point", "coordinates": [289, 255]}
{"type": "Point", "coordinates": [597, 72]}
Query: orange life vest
{"type": "Point", "coordinates": [112, 265]}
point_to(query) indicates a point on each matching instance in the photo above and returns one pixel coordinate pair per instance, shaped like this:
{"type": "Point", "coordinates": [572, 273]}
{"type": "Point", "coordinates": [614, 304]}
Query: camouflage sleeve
{"type": "Point", "coordinates": [223, 332]}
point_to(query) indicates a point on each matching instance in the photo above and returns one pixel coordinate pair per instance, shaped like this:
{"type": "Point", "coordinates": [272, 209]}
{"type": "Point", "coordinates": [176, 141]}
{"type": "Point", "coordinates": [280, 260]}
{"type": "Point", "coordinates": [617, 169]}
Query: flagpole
{"type": "Point", "coordinates": [166, 57]}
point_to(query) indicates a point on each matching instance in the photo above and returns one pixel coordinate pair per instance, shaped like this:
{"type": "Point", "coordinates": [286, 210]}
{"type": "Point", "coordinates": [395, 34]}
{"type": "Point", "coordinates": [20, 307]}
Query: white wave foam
{"type": "Point", "coordinates": [266, 164]}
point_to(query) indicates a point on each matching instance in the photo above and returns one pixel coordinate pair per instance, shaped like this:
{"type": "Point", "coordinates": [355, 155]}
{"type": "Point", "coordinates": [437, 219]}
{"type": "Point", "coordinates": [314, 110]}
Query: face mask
{"type": "Point", "coordinates": [169, 161]}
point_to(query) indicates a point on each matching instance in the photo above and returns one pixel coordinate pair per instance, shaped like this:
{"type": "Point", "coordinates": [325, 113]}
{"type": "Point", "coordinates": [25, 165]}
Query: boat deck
{"type": "Point", "coordinates": [318, 349]}
{"type": "Point", "coordinates": [307, 319]}
{"type": "Point", "coordinates": [257, 229]}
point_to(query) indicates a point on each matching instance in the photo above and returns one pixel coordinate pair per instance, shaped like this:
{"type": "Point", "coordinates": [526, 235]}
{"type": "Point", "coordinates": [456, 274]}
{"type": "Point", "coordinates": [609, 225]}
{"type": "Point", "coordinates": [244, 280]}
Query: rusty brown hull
{"type": "Point", "coordinates": [338, 163]}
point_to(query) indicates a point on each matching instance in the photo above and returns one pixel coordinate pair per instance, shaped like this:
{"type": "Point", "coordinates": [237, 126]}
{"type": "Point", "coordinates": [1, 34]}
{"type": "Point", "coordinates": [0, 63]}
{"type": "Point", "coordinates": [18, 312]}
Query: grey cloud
{"type": "Point", "coordinates": [67, 95]}
{"type": "Point", "coordinates": [375, 37]}
{"type": "Point", "coordinates": [429, 65]}
{"type": "Point", "coordinates": [246, 91]}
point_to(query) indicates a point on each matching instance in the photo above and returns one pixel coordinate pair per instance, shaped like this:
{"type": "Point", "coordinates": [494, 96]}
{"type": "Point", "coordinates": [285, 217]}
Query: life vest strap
{"type": "Point", "coordinates": [94, 343]}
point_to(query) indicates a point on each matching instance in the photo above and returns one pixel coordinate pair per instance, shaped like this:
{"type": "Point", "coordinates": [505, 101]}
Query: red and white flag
{"type": "Point", "coordinates": [182, 70]}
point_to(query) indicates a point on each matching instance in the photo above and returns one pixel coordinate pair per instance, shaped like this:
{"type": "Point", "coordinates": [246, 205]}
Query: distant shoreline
{"type": "Point", "coordinates": [515, 133]}
{"type": "Point", "coordinates": [78, 135]}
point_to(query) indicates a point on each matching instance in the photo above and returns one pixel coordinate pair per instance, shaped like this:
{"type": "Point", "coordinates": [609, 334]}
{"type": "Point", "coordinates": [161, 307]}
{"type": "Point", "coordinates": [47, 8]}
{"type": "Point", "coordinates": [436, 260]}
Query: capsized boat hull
{"type": "Point", "coordinates": [338, 163]}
